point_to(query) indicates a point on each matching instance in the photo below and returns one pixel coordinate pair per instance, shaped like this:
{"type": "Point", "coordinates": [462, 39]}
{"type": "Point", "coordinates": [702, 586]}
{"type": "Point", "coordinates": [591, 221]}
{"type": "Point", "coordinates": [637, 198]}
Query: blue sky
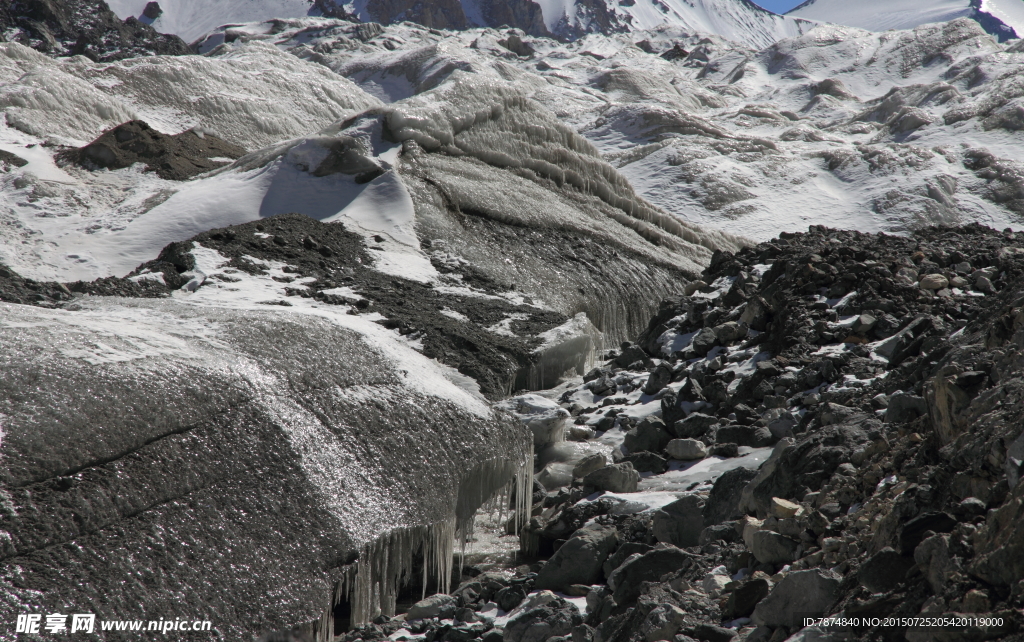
{"type": "Point", "coordinates": [778, 6]}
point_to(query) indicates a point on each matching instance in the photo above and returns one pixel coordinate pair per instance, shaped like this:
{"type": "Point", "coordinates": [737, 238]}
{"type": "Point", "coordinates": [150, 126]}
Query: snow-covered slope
{"type": "Point", "coordinates": [739, 20]}
{"type": "Point", "coordinates": [880, 15]}
{"type": "Point", "coordinates": [1003, 18]}
{"type": "Point", "coordinates": [191, 19]}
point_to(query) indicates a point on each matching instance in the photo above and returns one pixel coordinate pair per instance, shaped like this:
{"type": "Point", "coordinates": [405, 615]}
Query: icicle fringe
{"type": "Point", "coordinates": [386, 564]}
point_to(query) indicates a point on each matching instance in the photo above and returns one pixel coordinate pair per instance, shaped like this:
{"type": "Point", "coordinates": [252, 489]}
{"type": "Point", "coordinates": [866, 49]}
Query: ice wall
{"type": "Point", "coordinates": [174, 443]}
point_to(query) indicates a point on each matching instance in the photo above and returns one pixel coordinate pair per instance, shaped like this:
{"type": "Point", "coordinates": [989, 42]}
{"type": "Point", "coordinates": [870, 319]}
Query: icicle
{"type": "Point", "coordinates": [386, 564]}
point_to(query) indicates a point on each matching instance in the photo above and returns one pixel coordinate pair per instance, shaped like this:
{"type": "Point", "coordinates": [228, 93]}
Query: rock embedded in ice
{"type": "Point", "coordinates": [686, 449]}
{"type": "Point", "coordinates": [545, 418]}
{"type": "Point", "coordinates": [616, 478]}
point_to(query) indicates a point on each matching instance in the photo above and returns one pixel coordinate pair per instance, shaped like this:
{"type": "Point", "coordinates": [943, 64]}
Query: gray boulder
{"type": "Point", "coordinates": [686, 449]}
{"type": "Point", "coordinates": [440, 605]}
{"type": "Point", "coordinates": [617, 478]}
{"type": "Point", "coordinates": [681, 522]}
{"type": "Point", "coordinates": [652, 566]}
{"type": "Point", "coordinates": [694, 426]}
{"type": "Point", "coordinates": [798, 595]}
{"type": "Point", "coordinates": [770, 547]}
{"type": "Point", "coordinates": [724, 499]}
{"type": "Point", "coordinates": [752, 436]}
{"type": "Point", "coordinates": [589, 464]}
{"type": "Point", "coordinates": [650, 435]}
{"type": "Point", "coordinates": [905, 407]}
{"type": "Point", "coordinates": [704, 341]}
{"type": "Point", "coordinates": [579, 560]}
{"type": "Point", "coordinates": [658, 379]}
{"type": "Point", "coordinates": [555, 618]}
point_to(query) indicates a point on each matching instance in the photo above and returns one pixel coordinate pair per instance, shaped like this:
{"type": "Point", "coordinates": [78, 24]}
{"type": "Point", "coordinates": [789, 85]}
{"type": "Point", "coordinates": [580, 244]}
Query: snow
{"type": "Point", "coordinates": [881, 15]}
{"type": "Point", "coordinates": [1009, 12]}
{"type": "Point", "coordinates": [190, 19]}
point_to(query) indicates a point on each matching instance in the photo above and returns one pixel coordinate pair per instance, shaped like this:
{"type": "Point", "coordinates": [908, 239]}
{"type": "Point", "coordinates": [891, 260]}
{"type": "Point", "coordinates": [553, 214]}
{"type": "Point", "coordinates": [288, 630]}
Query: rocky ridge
{"type": "Point", "coordinates": [83, 27]}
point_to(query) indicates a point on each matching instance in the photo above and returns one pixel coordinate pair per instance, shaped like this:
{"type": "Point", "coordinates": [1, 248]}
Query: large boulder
{"type": "Point", "coordinates": [799, 595]}
{"type": "Point", "coordinates": [770, 547]}
{"type": "Point", "coordinates": [617, 478]}
{"type": "Point", "coordinates": [649, 435]}
{"type": "Point", "coordinates": [648, 567]}
{"type": "Point", "coordinates": [555, 617]}
{"type": "Point", "coordinates": [579, 560]}
{"type": "Point", "coordinates": [723, 501]}
{"type": "Point", "coordinates": [681, 522]}
{"type": "Point", "coordinates": [686, 449]}
{"type": "Point", "coordinates": [440, 605]}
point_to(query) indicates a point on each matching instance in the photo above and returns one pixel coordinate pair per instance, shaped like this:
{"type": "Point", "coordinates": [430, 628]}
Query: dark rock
{"type": "Point", "coordinates": [693, 426]}
{"type": "Point", "coordinates": [704, 341]}
{"type": "Point", "coordinates": [903, 407]}
{"type": "Point", "coordinates": [884, 570]}
{"type": "Point", "coordinates": [718, 533]}
{"type": "Point", "coordinates": [556, 618]}
{"type": "Point", "coordinates": [647, 462]}
{"type": "Point", "coordinates": [680, 522]}
{"type": "Point", "coordinates": [745, 597]}
{"type": "Point", "coordinates": [658, 379]}
{"type": "Point", "coordinates": [631, 354]}
{"type": "Point", "coordinates": [624, 551]}
{"type": "Point", "coordinates": [752, 436]}
{"type": "Point", "coordinates": [799, 595]}
{"type": "Point", "coordinates": [616, 478]}
{"type": "Point", "coordinates": [723, 501]}
{"type": "Point", "coordinates": [724, 450]}
{"type": "Point", "coordinates": [84, 27]}
{"type": "Point", "coordinates": [913, 531]}
{"type": "Point", "coordinates": [652, 566]}
{"type": "Point", "coordinates": [579, 560]}
{"type": "Point", "coordinates": [712, 633]}
{"type": "Point", "coordinates": [649, 435]}
{"type": "Point", "coordinates": [152, 10]}
{"type": "Point", "coordinates": [509, 598]}
{"type": "Point", "coordinates": [176, 157]}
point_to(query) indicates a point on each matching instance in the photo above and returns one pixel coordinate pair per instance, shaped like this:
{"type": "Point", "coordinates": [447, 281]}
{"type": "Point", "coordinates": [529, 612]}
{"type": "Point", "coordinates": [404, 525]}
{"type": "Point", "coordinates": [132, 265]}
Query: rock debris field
{"type": "Point", "coordinates": [828, 424]}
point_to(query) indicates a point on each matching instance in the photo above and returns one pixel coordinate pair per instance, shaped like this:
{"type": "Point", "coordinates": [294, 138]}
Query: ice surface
{"type": "Point", "coordinates": [251, 94]}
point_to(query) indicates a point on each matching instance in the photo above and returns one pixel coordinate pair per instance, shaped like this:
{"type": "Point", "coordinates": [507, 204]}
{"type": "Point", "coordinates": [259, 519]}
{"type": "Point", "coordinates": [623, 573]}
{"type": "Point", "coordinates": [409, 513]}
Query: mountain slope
{"type": "Point", "coordinates": [739, 20]}
{"type": "Point", "coordinates": [1003, 18]}
{"type": "Point", "coordinates": [190, 19]}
